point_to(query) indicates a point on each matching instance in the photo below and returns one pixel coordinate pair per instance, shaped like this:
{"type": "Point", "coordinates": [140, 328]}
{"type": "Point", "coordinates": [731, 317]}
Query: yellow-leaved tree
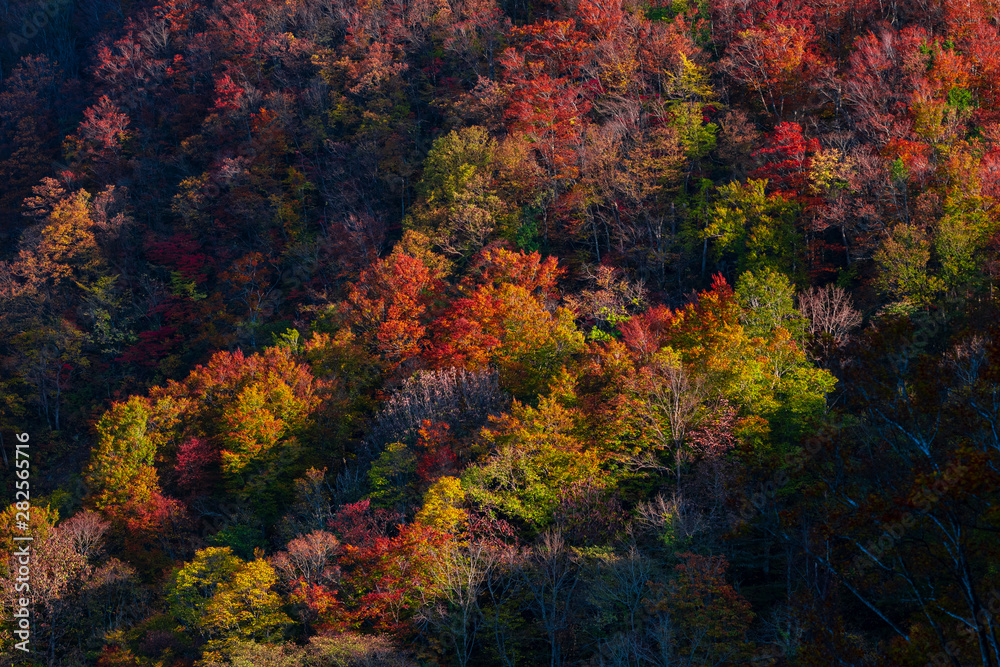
{"type": "Point", "coordinates": [226, 599]}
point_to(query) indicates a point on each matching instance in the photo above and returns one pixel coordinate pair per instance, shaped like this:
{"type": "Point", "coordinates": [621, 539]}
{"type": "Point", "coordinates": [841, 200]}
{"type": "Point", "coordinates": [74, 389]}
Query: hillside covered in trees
{"type": "Point", "coordinates": [502, 333]}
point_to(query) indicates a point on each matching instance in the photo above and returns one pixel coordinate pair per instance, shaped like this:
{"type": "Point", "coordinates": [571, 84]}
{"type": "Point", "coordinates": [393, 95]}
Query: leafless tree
{"type": "Point", "coordinates": [86, 531]}
{"type": "Point", "coordinates": [309, 557]}
{"type": "Point", "coordinates": [670, 399]}
{"type": "Point", "coordinates": [612, 300]}
{"type": "Point", "coordinates": [967, 359]}
{"type": "Point", "coordinates": [783, 631]}
{"type": "Point", "coordinates": [620, 586]}
{"type": "Point", "coordinates": [500, 585]}
{"type": "Point", "coordinates": [56, 567]}
{"type": "Point", "coordinates": [452, 395]}
{"type": "Point", "coordinates": [829, 313]}
{"type": "Point", "coordinates": [623, 649]}
{"type": "Point", "coordinates": [349, 485]}
{"type": "Point", "coordinates": [463, 574]}
{"type": "Point", "coordinates": [674, 515]}
{"type": "Point", "coordinates": [115, 598]}
{"type": "Point", "coordinates": [356, 650]}
{"type": "Point", "coordinates": [551, 579]}
{"type": "Point", "coordinates": [311, 510]}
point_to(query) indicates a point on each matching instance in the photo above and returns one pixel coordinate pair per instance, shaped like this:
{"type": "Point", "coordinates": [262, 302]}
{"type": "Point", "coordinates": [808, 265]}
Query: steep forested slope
{"type": "Point", "coordinates": [569, 332]}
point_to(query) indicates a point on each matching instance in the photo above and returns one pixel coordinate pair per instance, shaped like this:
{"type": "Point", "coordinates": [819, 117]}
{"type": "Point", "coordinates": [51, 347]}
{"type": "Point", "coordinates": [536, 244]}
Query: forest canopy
{"type": "Point", "coordinates": [501, 332]}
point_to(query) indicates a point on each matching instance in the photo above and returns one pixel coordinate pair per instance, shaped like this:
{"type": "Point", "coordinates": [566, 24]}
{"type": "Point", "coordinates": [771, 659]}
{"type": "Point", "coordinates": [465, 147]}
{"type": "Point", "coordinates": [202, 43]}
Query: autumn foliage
{"type": "Point", "coordinates": [605, 332]}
